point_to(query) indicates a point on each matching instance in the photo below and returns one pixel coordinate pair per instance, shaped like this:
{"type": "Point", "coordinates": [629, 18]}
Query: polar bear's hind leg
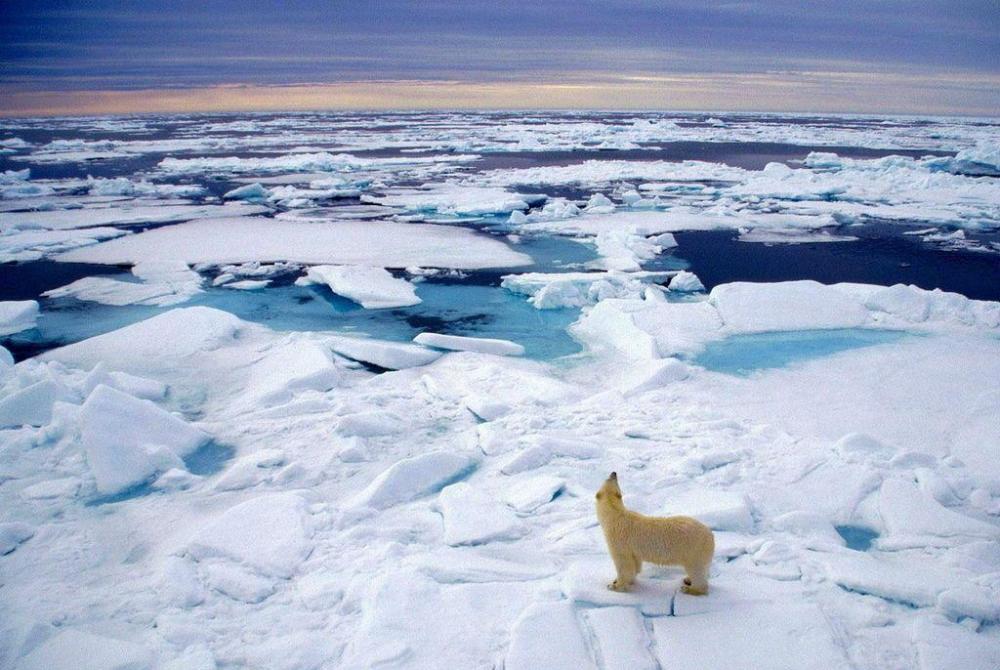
{"type": "Point", "coordinates": [696, 583]}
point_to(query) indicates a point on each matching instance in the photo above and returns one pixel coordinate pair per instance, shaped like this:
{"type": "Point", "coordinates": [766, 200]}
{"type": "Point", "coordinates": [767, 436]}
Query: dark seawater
{"type": "Point", "coordinates": [879, 256]}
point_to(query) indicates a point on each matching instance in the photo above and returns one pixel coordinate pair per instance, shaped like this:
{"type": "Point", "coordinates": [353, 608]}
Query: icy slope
{"type": "Point", "coordinates": [442, 515]}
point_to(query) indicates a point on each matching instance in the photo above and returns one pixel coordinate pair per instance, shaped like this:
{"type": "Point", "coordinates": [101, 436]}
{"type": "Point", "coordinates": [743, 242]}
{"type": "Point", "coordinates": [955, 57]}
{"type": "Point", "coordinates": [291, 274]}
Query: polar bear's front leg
{"type": "Point", "coordinates": [625, 565]}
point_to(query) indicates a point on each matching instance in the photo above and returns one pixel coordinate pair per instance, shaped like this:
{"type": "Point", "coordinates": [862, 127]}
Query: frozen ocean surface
{"type": "Point", "coordinates": [744, 354]}
{"type": "Point", "coordinates": [276, 390]}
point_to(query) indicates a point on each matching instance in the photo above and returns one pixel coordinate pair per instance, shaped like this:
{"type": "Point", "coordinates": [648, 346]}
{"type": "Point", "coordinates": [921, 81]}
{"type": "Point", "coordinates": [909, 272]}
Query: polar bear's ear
{"type": "Point", "coordinates": [598, 496]}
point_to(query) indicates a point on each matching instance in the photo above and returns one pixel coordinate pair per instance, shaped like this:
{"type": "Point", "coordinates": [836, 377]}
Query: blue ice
{"type": "Point", "coordinates": [858, 538]}
{"type": "Point", "coordinates": [744, 354]}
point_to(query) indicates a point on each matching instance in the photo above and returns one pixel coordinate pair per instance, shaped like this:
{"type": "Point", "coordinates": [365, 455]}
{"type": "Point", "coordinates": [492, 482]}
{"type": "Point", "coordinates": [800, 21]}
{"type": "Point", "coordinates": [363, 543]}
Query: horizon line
{"type": "Point", "coordinates": [783, 92]}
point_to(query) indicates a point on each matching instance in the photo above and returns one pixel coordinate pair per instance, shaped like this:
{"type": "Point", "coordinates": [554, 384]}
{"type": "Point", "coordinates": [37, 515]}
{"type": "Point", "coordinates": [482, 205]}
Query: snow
{"type": "Point", "coordinates": [482, 345]}
{"type": "Point", "coordinates": [372, 288]}
{"type": "Point", "coordinates": [270, 534]}
{"type": "Point", "coordinates": [527, 495]}
{"type": "Point", "coordinates": [686, 282]}
{"type": "Point", "coordinates": [556, 290]}
{"type": "Point", "coordinates": [548, 635]}
{"type": "Point", "coordinates": [719, 510]}
{"type": "Point", "coordinates": [128, 440]}
{"type": "Point", "coordinates": [290, 368]}
{"type": "Point", "coordinates": [778, 636]}
{"type": "Point", "coordinates": [31, 405]}
{"type": "Point", "coordinates": [472, 517]}
{"type": "Point", "coordinates": [175, 334]}
{"type": "Point", "coordinates": [17, 315]}
{"type": "Point", "coordinates": [800, 305]}
{"type": "Point", "coordinates": [87, 651]}
{"type": "Point", "coordinates": [127, 215]}
{"type": "Point", "coordinates": [388, 355]}
{"type": "Point", "coordinates": [161, 283]}
{"type": "Point", "coordinates": [384, 244]}
{"type": "Point", "coordinates": [414, 477]}
{"type": "Point", "coordinates": [12, 534]}
{"type": "Point", "coordinates": [457, 200]}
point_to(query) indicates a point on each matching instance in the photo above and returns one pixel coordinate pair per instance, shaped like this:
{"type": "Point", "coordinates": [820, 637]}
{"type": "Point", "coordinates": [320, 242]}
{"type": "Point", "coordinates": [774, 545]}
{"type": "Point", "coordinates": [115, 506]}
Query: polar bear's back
{"type": "Point", "coordinates": [671, 540]}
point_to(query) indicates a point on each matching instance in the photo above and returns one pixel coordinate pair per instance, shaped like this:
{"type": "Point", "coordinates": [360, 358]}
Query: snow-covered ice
{"type": "Point", "coordinates": [160, 283]}
{"type": "Point", "coordinates": [378, 244]}
{"type": "Point", "coordinates": [482, 345]}
{"type": "Point", "coordinates": [17, 315]}
{"type": "Point", "coordinates": [372, 288]}
{"type": "Point", "coordinates": [128, 440]}
{"type": "Point", "coordinates": [203, 490]}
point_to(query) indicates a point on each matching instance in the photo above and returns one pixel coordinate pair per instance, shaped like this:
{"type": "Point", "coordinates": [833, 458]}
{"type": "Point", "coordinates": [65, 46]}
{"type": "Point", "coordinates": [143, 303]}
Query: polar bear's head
{"type": "Point", "coordinates": [609, 492]}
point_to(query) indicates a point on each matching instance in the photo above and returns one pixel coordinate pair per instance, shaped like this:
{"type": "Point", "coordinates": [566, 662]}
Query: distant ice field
{"type": "Point", "coordinates": [908, 200]}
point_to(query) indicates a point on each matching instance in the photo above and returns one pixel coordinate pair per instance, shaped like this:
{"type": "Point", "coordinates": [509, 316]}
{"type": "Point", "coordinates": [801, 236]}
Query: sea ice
{"type": "Point", "coordinates": [146, 345]}
{"type": "Point", "coordinates": [72, 647]}
{"type": "Point", "coordinates": [13, 533]}
{"type": "Point", "coordinates": [686, 282]}
{"type": "Point", "coordinates": [414, 477]}
{"type": "Point", "coordinates": [472, 517]}
{"type": "Point", "coordinates": [548, 635]}
{"type": "Point", "coordinates": [270, 534]}
{"type": "Point", "coordinates": [17, 315]}
{"type": "Point", "coordinates": [480, 345]}
{"type": "Point", "coordinates": [33, 244]}
{"type": "Point", "coordinates": [371, 287]}
{"type": "Point", "coordinates": [32, 405]}
{"type": "Point", "coordinates": [384, 354]}
{"type": "Point", "coordinates": [912, 518]}
{"type": "Point", "coordinates": [161, 283]}
{"type": "Point", "coordinates": [457, 200]}
{"type": "Point", "coordinates": [778, 636]}
{"type": "Point", "coordinates": [289, 368]}
{"type": "Point", "coordinates": [720, 510]}
{"type": "Point", "coordinates": [382, 244]}
{"type": "Point", "coordinates": [800, 305]}
{"type": "Point", "coordinates": [122, 216]}
{"type": "Point", "coordinates": [128, 440]}
{"type": "Point", "coordinates": [621, 638]}
{"type": "Point", "coordinates": [527, 495]}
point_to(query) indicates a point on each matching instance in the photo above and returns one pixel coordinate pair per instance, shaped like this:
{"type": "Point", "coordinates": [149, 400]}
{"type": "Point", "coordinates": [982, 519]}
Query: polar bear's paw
{"type": "Point", "coordinates": [618, 586]}
{"type": "Point", "coordinates": [692, 591]}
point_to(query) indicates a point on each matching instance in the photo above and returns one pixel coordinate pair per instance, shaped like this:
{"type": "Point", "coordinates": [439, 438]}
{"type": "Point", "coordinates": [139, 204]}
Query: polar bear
{"type": "Point", "coordinates": [633, 538]}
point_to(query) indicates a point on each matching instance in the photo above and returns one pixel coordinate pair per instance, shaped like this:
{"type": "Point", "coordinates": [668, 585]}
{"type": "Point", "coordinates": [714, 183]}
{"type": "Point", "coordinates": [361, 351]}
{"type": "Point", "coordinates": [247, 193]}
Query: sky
{"type": "Point", "coordinates": [931, 56]}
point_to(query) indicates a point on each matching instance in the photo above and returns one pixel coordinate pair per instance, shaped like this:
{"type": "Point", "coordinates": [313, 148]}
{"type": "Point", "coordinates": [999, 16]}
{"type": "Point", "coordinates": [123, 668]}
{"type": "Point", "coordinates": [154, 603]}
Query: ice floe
{"type": "Point", "coordinates": [17, 315]}
{"type": "Point", "coordinates": [372, 244]}
{"type": "Point", "coordinates": [481, 345]}
{"type": "Point", "coordinates": [160, 283]}
{"type": "Point", "coordinates": [128, 440]}
{"type": "Point", "coordinates": [372, 288]}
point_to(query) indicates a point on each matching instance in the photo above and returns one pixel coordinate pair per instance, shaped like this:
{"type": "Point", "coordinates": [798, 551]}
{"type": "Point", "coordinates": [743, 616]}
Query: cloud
{"type": "Point", "coordinates": [105, 45]}
{"type": "Point", "coordinates": [778, 91]}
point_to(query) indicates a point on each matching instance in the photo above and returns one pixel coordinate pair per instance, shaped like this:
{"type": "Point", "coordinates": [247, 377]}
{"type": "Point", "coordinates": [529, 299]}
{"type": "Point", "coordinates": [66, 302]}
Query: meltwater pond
{"type": "Point", "coordinates": [472, 307]}
{"type": "Point", "coordinates": [743, 355]}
